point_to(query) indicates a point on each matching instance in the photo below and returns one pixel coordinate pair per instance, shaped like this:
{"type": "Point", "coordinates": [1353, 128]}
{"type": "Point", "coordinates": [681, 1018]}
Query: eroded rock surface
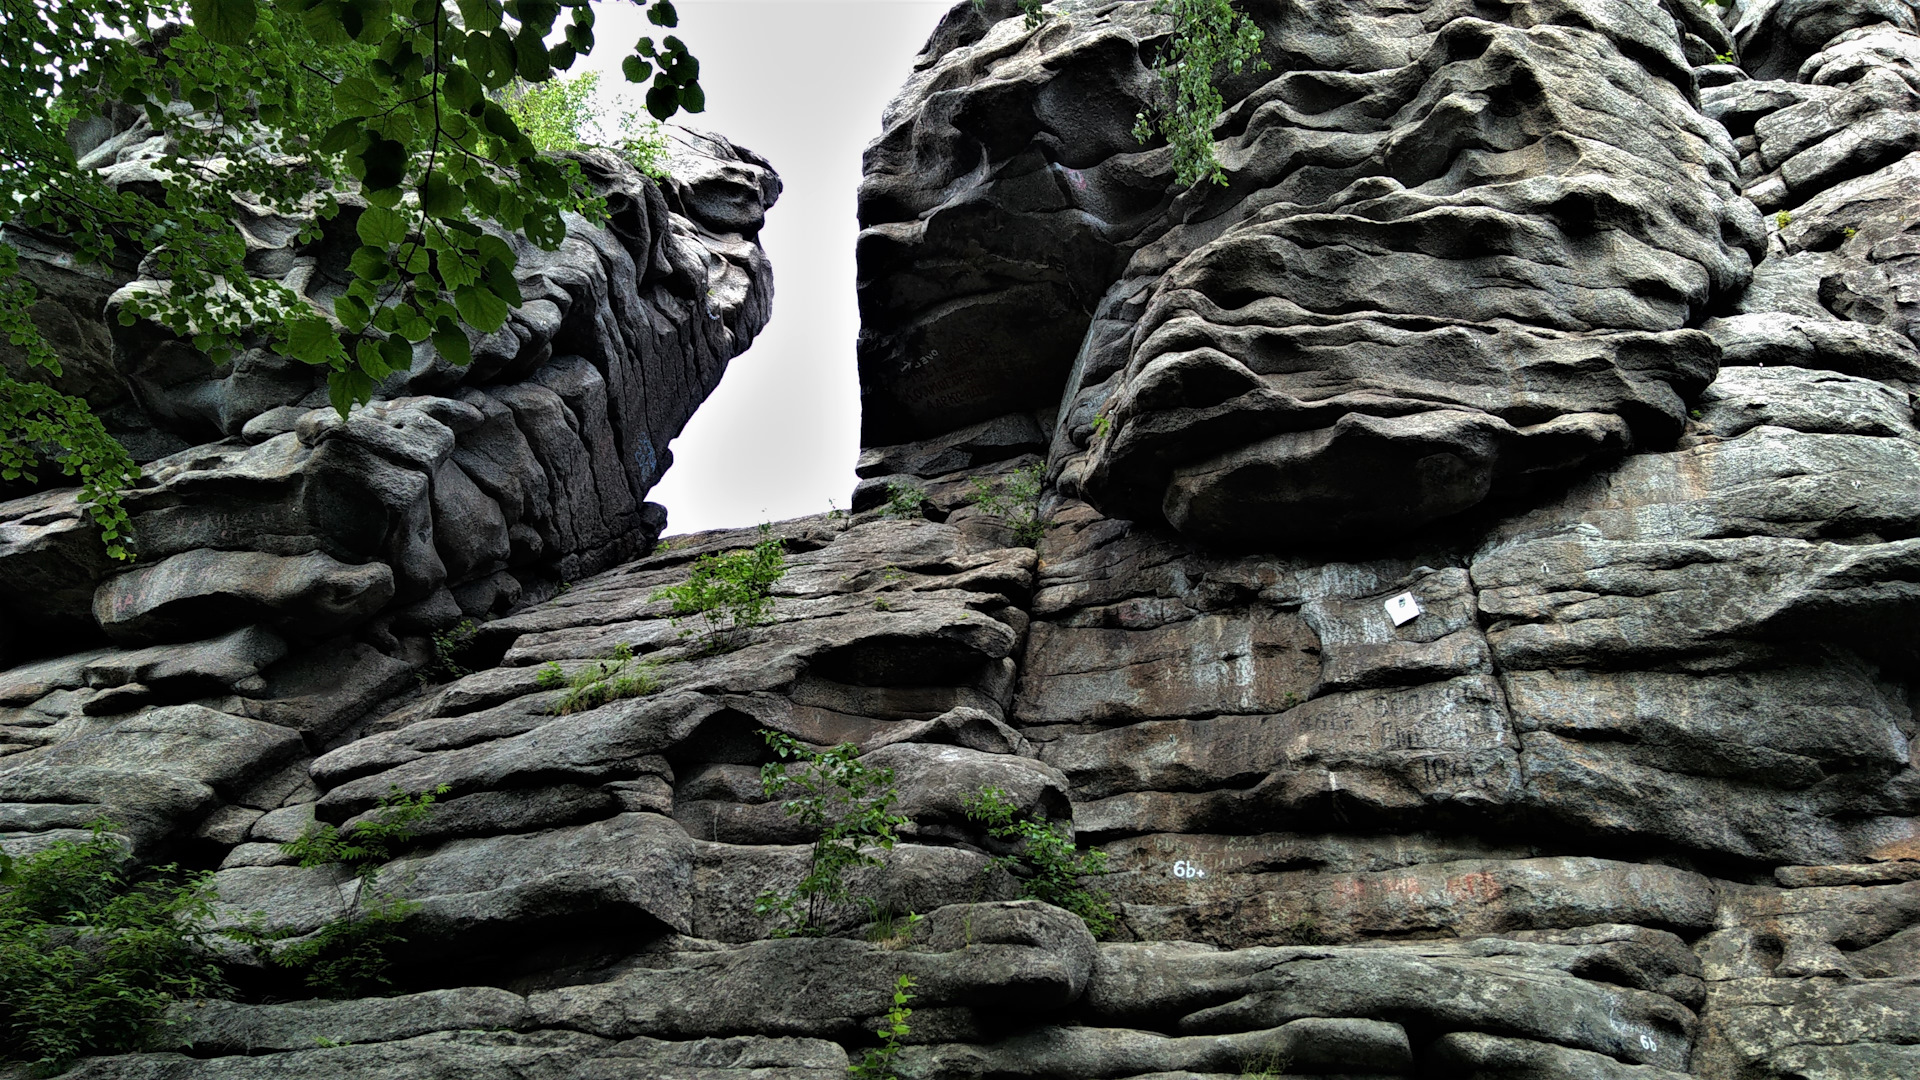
{"type": "Point", "coordinates": [457, 491]}
{"type": "Point", "coordinates": [1586, 327]}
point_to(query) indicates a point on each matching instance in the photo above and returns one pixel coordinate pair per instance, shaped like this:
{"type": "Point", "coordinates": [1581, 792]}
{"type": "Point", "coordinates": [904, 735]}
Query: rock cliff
{"type": "Point", "coordinates": [1587, 326]}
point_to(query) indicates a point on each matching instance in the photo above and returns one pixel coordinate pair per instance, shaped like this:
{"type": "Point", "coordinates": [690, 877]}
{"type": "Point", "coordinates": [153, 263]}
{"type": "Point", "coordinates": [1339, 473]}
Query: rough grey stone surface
{"type": "Point", "coordinates": [258, 505]}
{"type": "Point", "coordinates": [1598, 348]}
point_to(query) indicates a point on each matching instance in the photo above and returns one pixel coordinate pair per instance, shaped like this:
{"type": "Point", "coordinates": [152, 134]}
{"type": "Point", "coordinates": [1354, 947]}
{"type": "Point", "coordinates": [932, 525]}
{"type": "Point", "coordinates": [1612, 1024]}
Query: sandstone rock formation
{"type": "Point", "coordinates": [1599, 346]}
{"type": "Point", "coordinates": [456, 492]}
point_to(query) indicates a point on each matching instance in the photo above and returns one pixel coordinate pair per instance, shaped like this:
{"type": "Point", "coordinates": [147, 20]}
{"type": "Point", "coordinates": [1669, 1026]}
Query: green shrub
{"type": "Point", "coordinates": [732, 590]}
{"type": "Point", "coordinates": [93, 954]}
{"type": "Point", "coordinates": [849, 802]}
{"type": "Point", "coordinates": [621, 675]}
{"type": "Point", "coordinates": [351, 956]}
{"type": "Point", "coordinates": [877, 1062]}
{"type": "Point", "coordinates": [560, 115]}
{"type": "Point", "coordinates": [903, 501]}
{"type": "Point", "coordinates": [364, 845]}
{"type": "Point", "coordinates": [448, 644]}
{"type": "Point", "coordinates": [1048, 865]}
{"type": "Point", "coordinates": [1015, 500]}
{"type": "Point", "coordinates": [1209, 36]}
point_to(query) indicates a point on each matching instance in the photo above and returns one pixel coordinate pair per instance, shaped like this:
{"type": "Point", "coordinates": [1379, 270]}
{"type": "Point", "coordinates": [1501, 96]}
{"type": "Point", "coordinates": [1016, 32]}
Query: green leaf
{"type": "Point", "coordinates": [499, 124]}
{"type": "Point", "coordinates": [348, 387]}
{"type": "Point", "coordinates": [440, 199]}
{"type": "Point", "coordinates": [636, 69]}
{"type": "Point", "coordinates": [351, 312]}
{"type": "Point", "coordinates": [453, 347]}
{"type": "Point", "coordinates": [380, 227]}
{"type": "Point", "coordinates": [357, 96]}
{"type": "Point", "coordinates": [544, 228]}
{"type": "Point", "coordinates": [224, 22]}
{"type": "Point", "coordinates": [397, 353]}
{"type": "Point", "coordinates": [530, 56]}
{"type": "Point", "coordinates": [491, 248]}
{"type": "Point", "coordinates": [500, 279]}
{"type": "Point", "coordinates": [561, 56]}
{"type": "Point", "coordinates": [341, 136]}
{"type": "Point", "coordinates": [408, 322]}
{"type": "Point", "coordinates": [693, 99]}
{"type": "Point", "coordinates": [461, 88]}
{"type": "Point", "coordinates": [481, 309]}
{"type": "Point", "coordinates": [661, 13]}
{"type": "Point", "coordinates": [480, 15]}
{"type": "Point", "coordinates": [371, 360]}
{"type": "Point", "coordinates": [383, 164]}
{"type": "Point", "coordinates": [371, 263]}
{"type": "Point", "coordinates": [663, 101]}
{"type": "Point", "coordinates": [311, 340]}
{"type": "Point", "coordinates": [483, 195]}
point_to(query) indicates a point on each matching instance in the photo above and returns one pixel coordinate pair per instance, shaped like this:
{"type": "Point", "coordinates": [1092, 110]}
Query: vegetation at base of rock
{"type": "Point", "coordinates": [559, 115]}
{"type": "Point", "coordinates": [1267, 1066]}
{"type": "Point", "coordinates": [730, 590]}
{"type": "Point", "coordinates": [621, 675]}
{"type": "Point", "coordinates": [93, 952]}
{"type": "Point", "coordinates": [392, 97]}
{"type": "Point", "coordinates": [877, 1062]}
{"type": "Point", "coordinates": [448, 644]}
{"type": "Point", "coordinates": [1015, 500]}
{"type": "Point", "coordinates": [888, 928]}
{"type": "Point", "coordinates": [351, 956]}
{"type": "Point", "coordinates": [850, 803]}
{"type": "Point", "coordinates": [1050, 868]}
{"type": "Point", "coordinates": [903, 501]}
{"type": "Point", "coordinates": [1209, 37]}
{"type": "Point", "coordinates": [364, 845]}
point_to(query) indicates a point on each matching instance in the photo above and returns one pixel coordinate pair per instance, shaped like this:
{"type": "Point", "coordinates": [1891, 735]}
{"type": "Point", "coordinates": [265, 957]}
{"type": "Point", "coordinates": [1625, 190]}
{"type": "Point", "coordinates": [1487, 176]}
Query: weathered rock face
{"type": "Point", "coordinates": [453, 494]}
{"type": "Point", "coordinates": [1597, 346]}
{"type": "Point", "coordinates": [1458, 254]}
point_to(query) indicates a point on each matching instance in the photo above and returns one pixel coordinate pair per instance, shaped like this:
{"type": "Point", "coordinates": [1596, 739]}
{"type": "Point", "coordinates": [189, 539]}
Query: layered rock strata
{"type": "Point", "coordinates": [456, 491]}
{"type": "Point", "coordinates": [1522, 311]}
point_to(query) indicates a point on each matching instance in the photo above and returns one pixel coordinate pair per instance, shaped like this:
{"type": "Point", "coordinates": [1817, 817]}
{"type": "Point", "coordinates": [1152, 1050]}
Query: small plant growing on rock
{"type": "Point", "coordinates": [730, 591]}
{"type": "Point", "coordinates": [1016, 502]}
{"type": "Point", "coordinates": [1101, 426]}
{"type": "Point", "coordinates": [903, 501]}
{"type": "Point", "coordinates": [1268, 1066]}
{"type": "Point", "coordinates": [1209, 36]}
{"type": "Point", "coordinates": [92, 954]}
{"type": "Point", "coordinates": [850, 803]}
{"type": "Point", "coordinates": [621, 675]}
{"type": "Point", "coordinates": [363, 846]}
{"type": "Point", "coordinates": [448, 645]}
{"type": "Point", "coordinates": [1782, 219]}
{"type": "Point", "coordinates": [877, 1062]}
{"type": "Point", "coordinates": [350, 956]}
{"type": "Point", "coordinates": [887, 928]}
{"type": "Point", "coordinates": [1048, 865]}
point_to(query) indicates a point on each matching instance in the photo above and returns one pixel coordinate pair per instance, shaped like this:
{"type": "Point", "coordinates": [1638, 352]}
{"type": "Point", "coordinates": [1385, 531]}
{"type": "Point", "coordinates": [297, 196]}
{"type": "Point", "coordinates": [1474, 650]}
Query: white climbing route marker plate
{"type": "Point", "coordinates": [1403, 609]}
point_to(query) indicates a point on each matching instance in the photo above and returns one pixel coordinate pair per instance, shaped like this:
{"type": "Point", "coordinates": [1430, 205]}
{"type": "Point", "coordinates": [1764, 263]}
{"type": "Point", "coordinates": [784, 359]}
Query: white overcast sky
{"type": "Point", "coordinates": [802, 82]}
